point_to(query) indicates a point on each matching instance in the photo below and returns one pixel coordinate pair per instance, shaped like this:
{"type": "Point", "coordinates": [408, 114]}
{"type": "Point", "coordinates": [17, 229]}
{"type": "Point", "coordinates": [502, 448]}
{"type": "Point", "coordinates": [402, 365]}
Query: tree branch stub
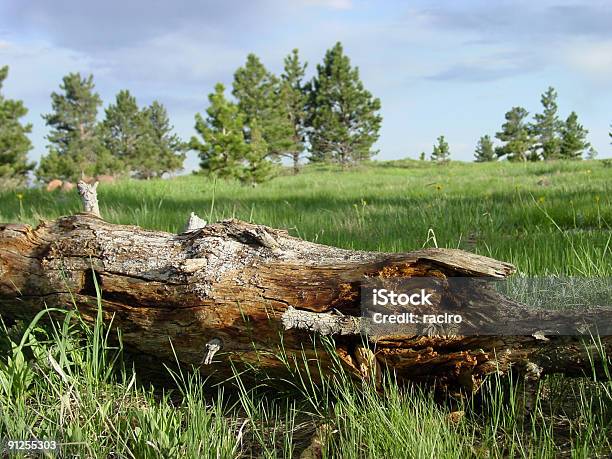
{"type": "Point", "coordinates": [194, 223]}
{"type": "Point", "coordinates": [89, 197]}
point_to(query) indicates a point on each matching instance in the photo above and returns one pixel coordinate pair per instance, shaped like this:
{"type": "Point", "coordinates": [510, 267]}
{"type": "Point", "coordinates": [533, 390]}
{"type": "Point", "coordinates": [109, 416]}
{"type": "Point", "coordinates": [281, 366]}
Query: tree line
{"type": "Point", "coordinates": [546, 137]}
{"type": "Point", "coordinates": [129, 139]}
{"type": "Point", "coordinates": [331, 117]}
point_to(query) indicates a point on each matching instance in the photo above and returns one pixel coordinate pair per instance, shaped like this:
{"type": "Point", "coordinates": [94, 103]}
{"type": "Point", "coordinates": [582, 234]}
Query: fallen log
{"type": "Point", "coordinates": [234, 294]}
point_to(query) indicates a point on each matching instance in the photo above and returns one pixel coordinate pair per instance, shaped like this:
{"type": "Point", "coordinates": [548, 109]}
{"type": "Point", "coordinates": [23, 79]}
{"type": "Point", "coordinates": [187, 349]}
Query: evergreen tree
{"type": "Point", "coordinates": [293, 95]}
{"type": "Point", "coordinates": [573, 138]}
{"type": "Point", "coordinates": [224, 150]}
{"type": "Point", "coordinates": [422, 156]}
{"type": "Point", "coordinates": [441, 151]}
{"type": "Point", "coordinates": [223, 145]}
{"type": "Point", "coordinates": [485, 150]}
{"type": "Point", "coordinates": [142, 140]}
{"type": "Point", "coordinates": [258, 92]}
{"type": "Point", "coordinates": [165, 150]}
{"type": "Point", "coordinates": [254, 89]}
{"type": "Point", "coordinates": [257, 168]}
{"type": "Point", "coordinates": [518, 143]}
{"type": "Point", "coordinates": [592, 153]}
{"type": "Point", "coordinates": [75, 147]}
{"type": "Point", "coordinates": [14, 141]}
{"type": "Point", "coordinates": [343, 117]}
{"type": "Point", "coordinates": [123, 129]}
{"type": "Point", "coordinates": [546, 128]}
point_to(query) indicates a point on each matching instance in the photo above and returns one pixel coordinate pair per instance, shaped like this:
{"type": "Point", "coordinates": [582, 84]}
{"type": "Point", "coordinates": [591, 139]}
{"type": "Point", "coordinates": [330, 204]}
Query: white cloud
{"type": "Point", "coordinates": [34, 66]}
{"type": "Point", "coordinates": [594, 59]}
{"type": "Point", "coordinates": [334, 4]}
{"type": "Point", "coordinates": [175, 58]}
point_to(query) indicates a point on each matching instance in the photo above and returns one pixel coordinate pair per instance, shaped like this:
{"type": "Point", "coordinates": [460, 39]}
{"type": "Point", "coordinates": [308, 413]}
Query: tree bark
{"type": "Point", "coordinates": [234, 295]}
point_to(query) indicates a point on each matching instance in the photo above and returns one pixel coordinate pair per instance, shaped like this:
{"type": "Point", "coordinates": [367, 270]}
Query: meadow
{"type": "Point", "coordinates": [547, 218]}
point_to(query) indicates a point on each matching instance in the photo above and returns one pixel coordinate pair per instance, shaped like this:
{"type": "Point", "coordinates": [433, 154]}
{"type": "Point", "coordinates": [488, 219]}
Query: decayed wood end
{"type": "Point", "coordinates": [89, 197]}
{"type": "Point", "coordinates": [245, 293]}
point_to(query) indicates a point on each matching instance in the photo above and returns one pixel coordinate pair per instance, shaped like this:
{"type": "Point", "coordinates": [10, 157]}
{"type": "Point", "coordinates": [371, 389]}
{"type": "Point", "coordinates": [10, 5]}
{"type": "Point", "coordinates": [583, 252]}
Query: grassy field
{"type": "Point", "coordinates": [546, 218]}
{"type": "Point", "coordinates": [543, 217]}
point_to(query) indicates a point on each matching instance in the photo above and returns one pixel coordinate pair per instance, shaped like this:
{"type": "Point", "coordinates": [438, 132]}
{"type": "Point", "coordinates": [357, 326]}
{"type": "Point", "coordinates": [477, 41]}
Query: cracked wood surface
{"type": "Point", "coordinates": [232, 284]}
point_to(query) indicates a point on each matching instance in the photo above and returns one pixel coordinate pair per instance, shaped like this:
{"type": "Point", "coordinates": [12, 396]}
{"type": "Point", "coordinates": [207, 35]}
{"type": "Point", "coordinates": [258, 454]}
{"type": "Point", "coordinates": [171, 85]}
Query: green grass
{"type": "Point", "coordinates": [68, 383]}
{"type": "Point", "coordinates": [496, 209]}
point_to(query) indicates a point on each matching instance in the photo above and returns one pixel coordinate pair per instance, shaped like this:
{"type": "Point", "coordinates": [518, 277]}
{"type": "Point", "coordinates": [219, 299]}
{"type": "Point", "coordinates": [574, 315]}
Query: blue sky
{"type": "Point", "coordinates": [439, 67]}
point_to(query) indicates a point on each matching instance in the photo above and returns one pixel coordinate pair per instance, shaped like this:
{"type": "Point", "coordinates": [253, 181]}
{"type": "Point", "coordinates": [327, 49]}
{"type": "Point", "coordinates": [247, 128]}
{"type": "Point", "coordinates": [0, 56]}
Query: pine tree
{"type": "Point", "coordinates": [14, 141]}
{"type": "Point", "coordinates": [518, 143]}
{"type": "Point", "coordinates": [441, 151]}
{"type": "Point", "coordinates": [422, 156]}
{"type": "Point", "coordinates": [123, 129]}
{"type": "Point", "coordinates": [343, 117]}
{"type": "Point", "coordinates": [223, 146]}
{"type": "Point", "coordinates": [573, 138]}
{"type": "Point", "coordinates": [257, 168]}
{"type": "Point", "coordinates": [75, 146]}
{"type": "Point", "coordinates": [258, 92]}
{"type": "Point", "coordinates": [254, 88]}
{"type": "Point", "coordinates": [165, 150]}
{"type": "Point", "coordinates": [224, 150]}
{"type": "Point", "coordinates": [293, 95]}
{"type": "Point", "coordinates": [485, 150]}
{"type": "Point", "coordinates": [591, 153]}
{"type": "Point", "coordinates": [546, 129]}
{"type": "Point", "coordinates": [142, 140]}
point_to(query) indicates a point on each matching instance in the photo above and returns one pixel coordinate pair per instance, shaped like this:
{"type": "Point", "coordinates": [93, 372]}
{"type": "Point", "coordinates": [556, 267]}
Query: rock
{"type": "Point", "coordinates": [88, 179]}
{"type": "Point", "coordinates": [68, 186]}
{"type": "Point", "coordinates": [543, 181]}
{"type": "Point", "coordinates": [54, 185]}
{"type": "Point", "coordinates": [105, 178]}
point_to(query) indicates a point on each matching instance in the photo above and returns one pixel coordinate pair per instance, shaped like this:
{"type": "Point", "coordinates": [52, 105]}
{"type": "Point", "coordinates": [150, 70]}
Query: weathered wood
{"type": "Point", "coordinates": [252, 294]}
{"type": "Point", "coordinates": [194, 223]}
{"type": "Point", "coordinates": [89, 196]}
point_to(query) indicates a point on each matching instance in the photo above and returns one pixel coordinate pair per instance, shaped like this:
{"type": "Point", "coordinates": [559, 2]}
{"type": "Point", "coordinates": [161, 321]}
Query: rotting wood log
{"type": "Point", "coordinates": [239, 295]}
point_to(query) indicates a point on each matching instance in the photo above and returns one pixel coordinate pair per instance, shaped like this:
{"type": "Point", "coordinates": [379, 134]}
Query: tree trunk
{"type": "Point", "coordinates": [238, 294]}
